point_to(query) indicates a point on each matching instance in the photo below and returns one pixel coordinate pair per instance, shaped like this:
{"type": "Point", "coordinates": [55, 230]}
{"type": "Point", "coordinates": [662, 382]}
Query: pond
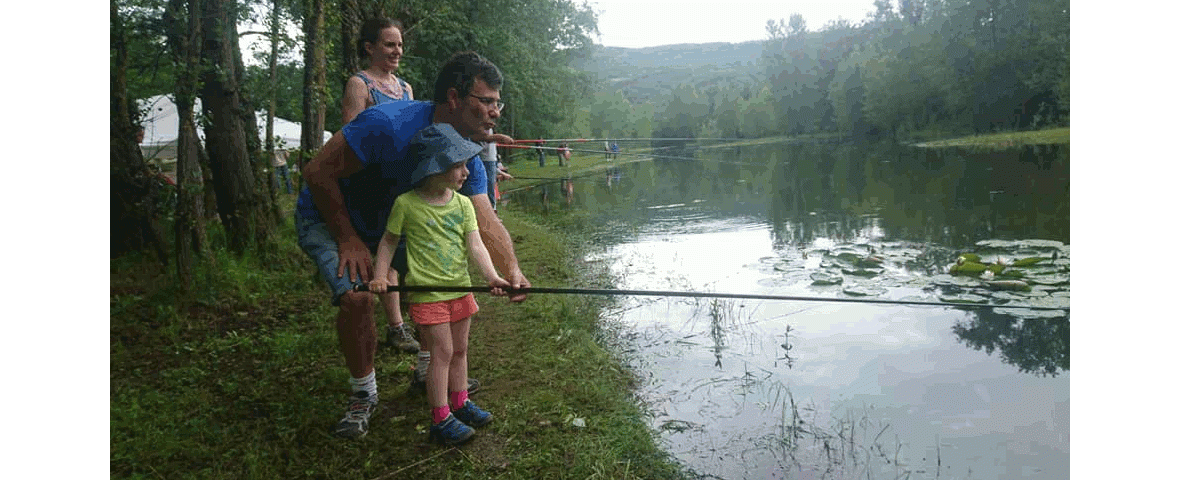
{"type": "Point", "coordinates": [804, 389]}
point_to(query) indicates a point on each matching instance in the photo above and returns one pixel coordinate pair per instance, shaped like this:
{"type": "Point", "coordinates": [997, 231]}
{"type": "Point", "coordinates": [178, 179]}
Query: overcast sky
{"type": "Point", "coordinates": [646, 23]}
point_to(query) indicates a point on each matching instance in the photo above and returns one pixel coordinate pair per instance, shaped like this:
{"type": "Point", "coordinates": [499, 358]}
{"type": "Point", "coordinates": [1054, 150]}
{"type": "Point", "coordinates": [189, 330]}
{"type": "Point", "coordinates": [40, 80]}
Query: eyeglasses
{"type": "Point", "coordinates": [489, 101]}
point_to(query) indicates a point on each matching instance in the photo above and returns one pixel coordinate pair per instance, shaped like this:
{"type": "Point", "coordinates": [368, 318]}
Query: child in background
{"type": "Point", "coordinates": [441, 231]}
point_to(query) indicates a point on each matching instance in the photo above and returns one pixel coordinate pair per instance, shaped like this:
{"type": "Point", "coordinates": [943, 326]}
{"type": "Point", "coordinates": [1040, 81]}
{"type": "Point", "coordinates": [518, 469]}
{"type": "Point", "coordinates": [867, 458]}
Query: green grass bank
{"type": "Point", "coordinates": [1049, 136]}
{"type": "Point", "coordinates": [242, 378]}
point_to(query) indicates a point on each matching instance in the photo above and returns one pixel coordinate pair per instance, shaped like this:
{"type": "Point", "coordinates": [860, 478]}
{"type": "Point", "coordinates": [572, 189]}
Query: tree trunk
{"type": "Point", "coordinates": [264, 231]}
{"type": "Point", "coordinates": [351, 19]}
{"type": "Point", "coordinates": [210, 200]}
{"type": "Point", "coordinates": [184, 39]}
{"type": "Point", "coordinates": [242, 209]}
{"type": "Point", "coordinates": [314, 77]}
{"type": "Point", "coordinates": [273, 72]}
{"type": "Point", "coordinates": [134, 222]}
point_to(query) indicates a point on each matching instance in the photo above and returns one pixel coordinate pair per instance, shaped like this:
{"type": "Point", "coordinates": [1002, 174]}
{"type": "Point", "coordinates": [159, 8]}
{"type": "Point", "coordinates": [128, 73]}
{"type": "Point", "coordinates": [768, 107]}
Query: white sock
{"type": "Point", "coordinates": [368, 383]}
{"type": "Point", "coordinates": [423, 365]}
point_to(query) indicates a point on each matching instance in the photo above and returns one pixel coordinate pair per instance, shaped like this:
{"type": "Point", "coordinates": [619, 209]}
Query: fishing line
{"type": "Point", "coordinates": [651, 155]}
{"type": "Point", "coordinates": [668, 293]}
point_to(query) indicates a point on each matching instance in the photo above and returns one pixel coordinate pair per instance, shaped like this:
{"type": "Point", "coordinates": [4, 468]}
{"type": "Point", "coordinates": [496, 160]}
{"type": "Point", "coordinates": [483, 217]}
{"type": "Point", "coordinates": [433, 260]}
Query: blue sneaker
{"type": "Point", "coordinates": [451, 431]}
{"type": "Point", "coordinates": [472, 415]}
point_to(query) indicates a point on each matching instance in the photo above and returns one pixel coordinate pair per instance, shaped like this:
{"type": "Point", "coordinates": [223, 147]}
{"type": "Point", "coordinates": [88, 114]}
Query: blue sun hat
{"type": "Point", "coordinates": [438, 147]}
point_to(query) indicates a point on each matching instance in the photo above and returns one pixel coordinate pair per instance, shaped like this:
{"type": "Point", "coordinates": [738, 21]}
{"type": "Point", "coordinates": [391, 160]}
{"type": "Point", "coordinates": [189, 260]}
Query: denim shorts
{"type": "Point", "coordinates": [317, 242]}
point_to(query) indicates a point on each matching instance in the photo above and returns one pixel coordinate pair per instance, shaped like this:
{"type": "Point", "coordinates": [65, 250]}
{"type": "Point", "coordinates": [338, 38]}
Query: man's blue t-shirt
{"type": "Point", "coordinates": [380, 137]}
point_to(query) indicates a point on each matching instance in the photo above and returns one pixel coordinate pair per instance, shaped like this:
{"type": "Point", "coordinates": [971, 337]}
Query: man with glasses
{"type": "Point", "coordinates": [351, 185]}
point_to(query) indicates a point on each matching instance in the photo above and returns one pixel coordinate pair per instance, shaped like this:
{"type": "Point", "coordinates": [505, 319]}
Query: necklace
{"type": "Point", "coordinates": [393, 89]}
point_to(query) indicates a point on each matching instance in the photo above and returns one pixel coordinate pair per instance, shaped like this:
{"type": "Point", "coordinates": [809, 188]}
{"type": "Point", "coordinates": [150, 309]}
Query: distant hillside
{"type": "Point", "coordinates": [646, 74]}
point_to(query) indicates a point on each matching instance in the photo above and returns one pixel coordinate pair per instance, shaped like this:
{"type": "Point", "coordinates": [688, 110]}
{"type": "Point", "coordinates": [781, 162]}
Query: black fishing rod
{"type": "Point", "coordinates": [667, 293]}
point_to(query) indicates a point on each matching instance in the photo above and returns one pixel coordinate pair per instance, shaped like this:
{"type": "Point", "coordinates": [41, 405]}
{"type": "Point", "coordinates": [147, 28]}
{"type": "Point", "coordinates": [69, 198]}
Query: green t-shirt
{"type": "Point", "coordinates": [436, 243]}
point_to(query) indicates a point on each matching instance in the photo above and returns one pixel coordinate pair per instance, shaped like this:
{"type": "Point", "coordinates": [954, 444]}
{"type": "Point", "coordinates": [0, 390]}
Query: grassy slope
{"type": "Point", "coordinates": [244, 381]}
{"type": "Point", "coordinates": [1005, 139]}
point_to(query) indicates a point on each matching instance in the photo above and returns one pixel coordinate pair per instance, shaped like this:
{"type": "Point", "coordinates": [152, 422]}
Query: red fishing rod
{"type": "Point", "coordinates": [634, 154]}
{"type": "Point", "coordinates": [655, 139]}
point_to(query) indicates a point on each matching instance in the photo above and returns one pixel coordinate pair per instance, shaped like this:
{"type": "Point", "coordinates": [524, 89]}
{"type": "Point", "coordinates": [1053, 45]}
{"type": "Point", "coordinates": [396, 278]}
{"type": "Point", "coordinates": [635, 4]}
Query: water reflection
{"type": "Point", "coordinates": [809, 390]}
{"type": "Point", "coordinates": [950, 198]}
{"type": "Point", "coordinates": [1038, 345]}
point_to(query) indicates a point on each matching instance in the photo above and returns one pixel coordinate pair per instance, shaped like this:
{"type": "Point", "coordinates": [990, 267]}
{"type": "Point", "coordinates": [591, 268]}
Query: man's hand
{"type": "Point", "coordinates": [484, 137]}
{"type": "Point", "coordinates": [502, 174]}
{"type": "Point", "coordinates": [355, 257]}
{"type": "Point", "coordinates": [518, 281]}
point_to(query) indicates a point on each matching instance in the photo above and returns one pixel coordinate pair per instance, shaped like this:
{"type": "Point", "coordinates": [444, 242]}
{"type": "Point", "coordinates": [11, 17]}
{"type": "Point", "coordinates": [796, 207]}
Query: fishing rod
{"type": "Point", "coordinates": [667, 293]}
{"type": "Point", "coordinates": [547, 140]}
{"type": "Point", "coordinates": [549, 180]}
{"type": "Point", "coordinates": [637, 154]}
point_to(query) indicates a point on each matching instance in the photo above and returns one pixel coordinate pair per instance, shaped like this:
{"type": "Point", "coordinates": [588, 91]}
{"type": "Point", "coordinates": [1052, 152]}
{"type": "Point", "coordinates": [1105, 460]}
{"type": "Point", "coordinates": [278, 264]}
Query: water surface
{"type": "Point", "coordinates": [777, 389]}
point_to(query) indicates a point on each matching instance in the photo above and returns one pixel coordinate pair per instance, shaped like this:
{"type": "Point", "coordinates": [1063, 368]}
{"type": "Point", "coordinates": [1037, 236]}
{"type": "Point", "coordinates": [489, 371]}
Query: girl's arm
{"type": "Point", "coordinates": [479, 255]}
{"type": "Point", "coordinates": [381, 277]}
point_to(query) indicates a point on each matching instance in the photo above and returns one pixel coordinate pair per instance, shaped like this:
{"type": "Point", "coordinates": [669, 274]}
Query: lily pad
{"type": "Point", "coordinates": [862, 272]}
{"type": "Point", "coordinates": [1015, 244]}
{"type": "Point", "coordinates": [1015, 285]}
{"type": "Point", "coordinates": [963, 298]}
{"type": "Point", "coordinates": [1005, 297]}
{"type": "Point", "coordinates": [1029, 314]}
{"type": "Point", "coordinates": [971, 257]}
{"type": "Point", "coordinates": [863, 290]}
{"type": "Point", "coordinates": [849, 257]}
{"type": "Point", "coordinates": [1054, 279]}
{"type": "Point", "coordinates": [1024, 262]}
{"type": "Point", "coordinates": [826, 278]}
{"type": "Point", "coordinates": [1012, 273]}
{"type": "Point", "coordinates": [968, 268]}
{"type": "Point", "coordinates": [871, 261]}
{"type": "Point", "coordinates": [949, 280]}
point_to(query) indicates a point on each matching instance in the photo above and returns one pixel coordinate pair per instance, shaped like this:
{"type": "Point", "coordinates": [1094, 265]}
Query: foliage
{"type": "Point", "coordinates": [242, 379]}
{"type": "Point", "coordinates": [533, 42]}
{"type": "Point", "coordinates": [909, 69]}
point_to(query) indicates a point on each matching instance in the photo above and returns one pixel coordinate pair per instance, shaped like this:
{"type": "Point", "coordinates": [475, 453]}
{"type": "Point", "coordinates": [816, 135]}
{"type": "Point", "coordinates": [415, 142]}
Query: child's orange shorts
{"type": "Point", "coordinates": [447, 311]}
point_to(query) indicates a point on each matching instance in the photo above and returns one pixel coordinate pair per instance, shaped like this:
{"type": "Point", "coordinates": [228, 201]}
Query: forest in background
{"type": "Point", "coordinates": [910, 69]}
{"type": "Point", "coordinates": [191, 49]}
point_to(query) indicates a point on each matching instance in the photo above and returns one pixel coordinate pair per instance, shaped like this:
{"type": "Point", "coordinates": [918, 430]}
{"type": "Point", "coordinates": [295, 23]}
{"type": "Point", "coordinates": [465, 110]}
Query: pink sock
{"type": "Point", "coordinates": [458, 399]}
{"type": "Point", "coordinates": [440, 413]}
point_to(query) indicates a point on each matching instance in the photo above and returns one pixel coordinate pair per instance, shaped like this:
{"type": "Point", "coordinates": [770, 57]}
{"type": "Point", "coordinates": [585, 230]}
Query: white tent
{"type": "Point", "coordinates": [161, 127]}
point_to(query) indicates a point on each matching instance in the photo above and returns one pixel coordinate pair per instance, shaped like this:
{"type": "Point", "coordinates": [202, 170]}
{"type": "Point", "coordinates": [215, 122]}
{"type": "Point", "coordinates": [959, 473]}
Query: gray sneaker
{"type": "Point", "coordinates": [400, 337]}
{"type": "Point", "coordinates": [355, 423]}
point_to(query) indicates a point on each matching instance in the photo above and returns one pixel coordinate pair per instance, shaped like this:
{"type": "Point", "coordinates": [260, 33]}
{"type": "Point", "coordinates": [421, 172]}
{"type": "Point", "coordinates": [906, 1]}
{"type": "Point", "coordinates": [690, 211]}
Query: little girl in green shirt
{"type": "Point", "coordinates": [440, 229]}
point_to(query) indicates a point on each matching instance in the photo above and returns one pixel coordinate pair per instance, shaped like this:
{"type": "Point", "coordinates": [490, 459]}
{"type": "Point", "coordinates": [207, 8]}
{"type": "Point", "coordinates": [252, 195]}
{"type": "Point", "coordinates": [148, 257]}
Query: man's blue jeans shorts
{"type": "Point", "coordinates": [317, 242]}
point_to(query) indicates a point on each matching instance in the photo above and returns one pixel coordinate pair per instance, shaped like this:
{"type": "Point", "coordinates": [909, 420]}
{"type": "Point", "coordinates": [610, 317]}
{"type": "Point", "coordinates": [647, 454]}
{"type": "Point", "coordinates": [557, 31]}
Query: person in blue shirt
{"type": "Point", "coordinates": [351, 185]}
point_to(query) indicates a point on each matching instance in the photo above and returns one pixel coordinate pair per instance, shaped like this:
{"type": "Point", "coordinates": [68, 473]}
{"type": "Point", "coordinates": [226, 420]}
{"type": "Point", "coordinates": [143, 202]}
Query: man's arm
{"type": "Point", "coordinates": [336, 160]}
{"type": "Point", "coordinates": [499, 244]}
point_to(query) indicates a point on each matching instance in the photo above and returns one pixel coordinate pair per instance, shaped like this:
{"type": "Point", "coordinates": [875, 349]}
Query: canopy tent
{"type": "Point", "coordinates": [161, 126]}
